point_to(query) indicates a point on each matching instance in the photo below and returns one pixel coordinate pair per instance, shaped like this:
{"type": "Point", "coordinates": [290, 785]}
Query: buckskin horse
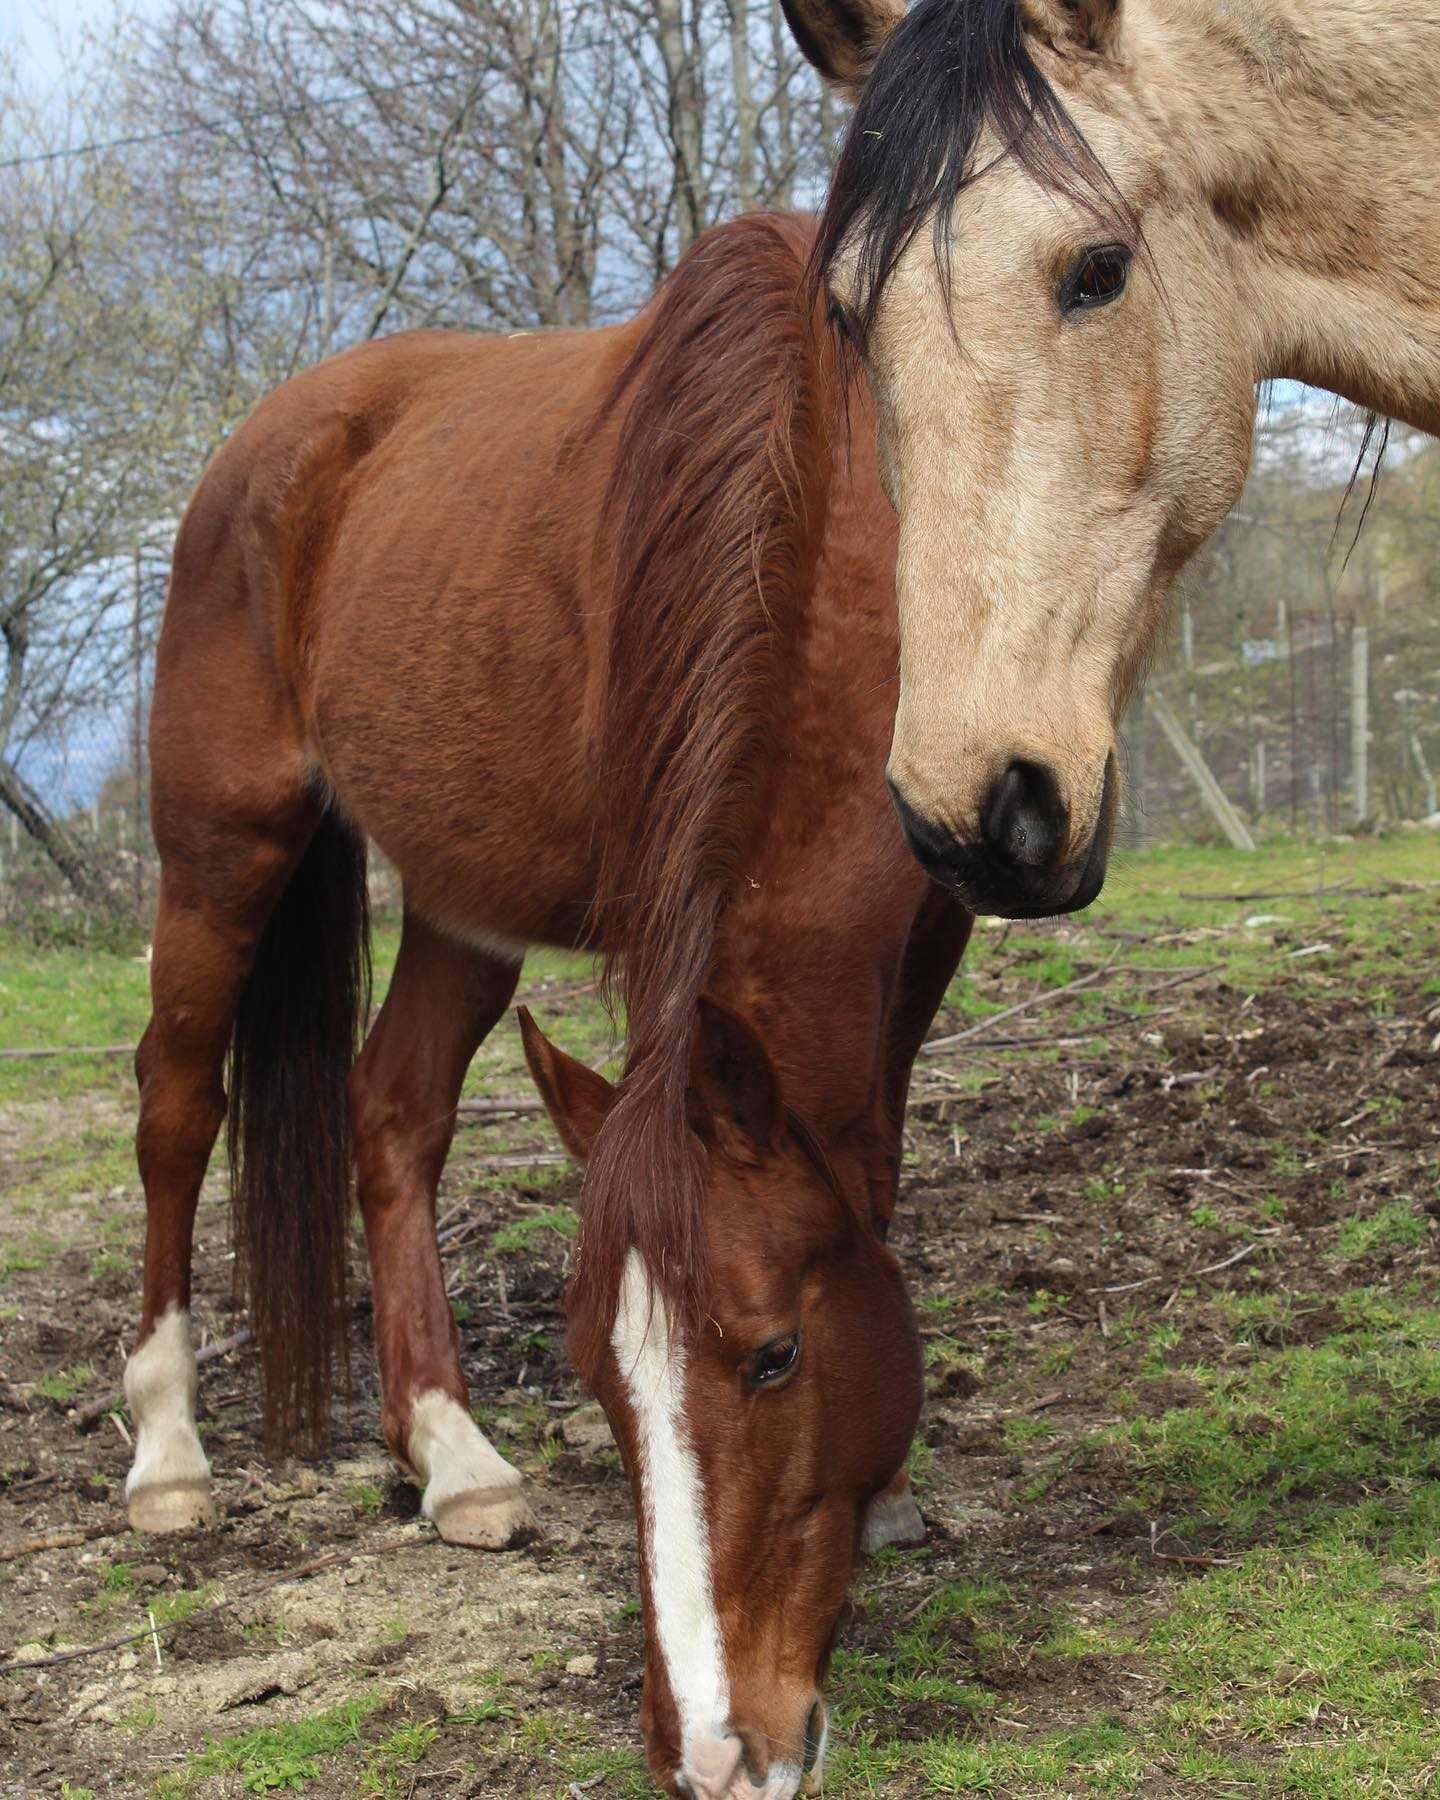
{"type": "Point", "coordinates": [1069, 237]}
{"type": "Point", "coordinates": [594, 634]}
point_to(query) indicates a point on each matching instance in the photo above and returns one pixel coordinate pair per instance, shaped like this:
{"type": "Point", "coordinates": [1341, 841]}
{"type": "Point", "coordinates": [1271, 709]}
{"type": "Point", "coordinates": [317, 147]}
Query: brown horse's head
{"type": "Point", "coordinates": [1055, 330]}
{"type": "Point", "coordinates": [755, 1441]}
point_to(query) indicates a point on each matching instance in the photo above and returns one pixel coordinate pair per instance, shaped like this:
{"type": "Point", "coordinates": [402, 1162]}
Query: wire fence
{"type": "Point", "coordinates": [1327, 727]}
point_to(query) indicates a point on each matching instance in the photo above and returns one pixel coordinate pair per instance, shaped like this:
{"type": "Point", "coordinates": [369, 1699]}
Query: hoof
{"type": "Point", "coordinates": [893, 1520]}
{"type": "Point", "coordinates": [171, 1506]}
{"type": "Point", "coordinates": [486, 1519]}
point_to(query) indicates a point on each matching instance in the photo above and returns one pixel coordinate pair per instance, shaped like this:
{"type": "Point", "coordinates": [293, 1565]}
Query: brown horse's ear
{"type": "Point", "coordinates": [842, 38]}
{"type": "Point", "coordinates": [1074, 24]}
{"type": "Point", "coordinates": [576, 1096]}
{"type": "Point", "coordinates": [731, 1075]}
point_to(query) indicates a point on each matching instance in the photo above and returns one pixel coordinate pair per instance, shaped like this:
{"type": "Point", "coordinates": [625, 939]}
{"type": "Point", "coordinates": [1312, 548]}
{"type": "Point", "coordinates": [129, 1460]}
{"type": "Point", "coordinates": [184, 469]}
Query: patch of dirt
{"type": "Point", "coordinates": [1253, 1123]}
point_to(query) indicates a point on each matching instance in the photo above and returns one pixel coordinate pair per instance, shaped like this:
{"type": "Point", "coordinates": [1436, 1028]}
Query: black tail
{"type": "Point", "coordinates": [296, 1035]}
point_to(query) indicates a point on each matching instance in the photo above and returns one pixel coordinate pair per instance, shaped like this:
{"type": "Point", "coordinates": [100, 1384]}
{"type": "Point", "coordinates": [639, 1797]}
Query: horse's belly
{"type": "Point", "coordinates": [455, 736]}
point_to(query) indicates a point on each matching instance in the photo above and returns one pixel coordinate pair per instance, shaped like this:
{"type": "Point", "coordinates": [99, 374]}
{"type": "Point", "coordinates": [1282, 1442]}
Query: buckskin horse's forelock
{"type": "Point", "coordinates": [712, 520]}
{"type": "Point", "coordinates": [949, 69]}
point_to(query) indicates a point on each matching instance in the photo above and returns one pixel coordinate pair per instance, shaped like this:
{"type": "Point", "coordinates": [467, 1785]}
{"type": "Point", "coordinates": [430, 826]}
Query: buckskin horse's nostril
{"type": "Point", "coordinates": [1023, 819]}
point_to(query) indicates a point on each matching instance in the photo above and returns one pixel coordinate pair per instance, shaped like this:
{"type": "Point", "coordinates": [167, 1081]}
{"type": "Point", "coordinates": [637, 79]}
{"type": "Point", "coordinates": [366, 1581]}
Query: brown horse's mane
{"type": "Point", "coordinates": [712, 521]}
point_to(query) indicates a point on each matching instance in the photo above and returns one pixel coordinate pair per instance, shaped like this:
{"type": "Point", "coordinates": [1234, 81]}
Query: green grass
{"type": "Point", "coordinates": [173, 1609]}
{"type": "Point", "coordinates": [1292, 1436]}
{"type": "Point", "coordinates": [1187, 888]}
{"type": "Point", "coordinates": [274, 1757]}
{"type": "Point", "coordinates": [521, 1236]}
{"type": "Point", "coordinates": [1296, 1666]}
{"type": "Point", "coordinates": [1399, 1226]}
{"type": "Point", "coordinates": [65, 1384]}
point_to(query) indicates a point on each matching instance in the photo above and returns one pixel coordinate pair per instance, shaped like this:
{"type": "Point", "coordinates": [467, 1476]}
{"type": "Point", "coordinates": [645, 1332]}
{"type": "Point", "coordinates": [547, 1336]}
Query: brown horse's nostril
{"type": "Point", "coordinates": [754, 1755]}
{"type": "Point", "coordinates": [1023, 819]}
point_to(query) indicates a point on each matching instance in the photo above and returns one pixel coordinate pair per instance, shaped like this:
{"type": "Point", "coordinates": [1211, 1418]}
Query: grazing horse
{"type": "Point", "coordinates": [1068, 238]}
{"type": "Point", "coordinates": [593, 633]}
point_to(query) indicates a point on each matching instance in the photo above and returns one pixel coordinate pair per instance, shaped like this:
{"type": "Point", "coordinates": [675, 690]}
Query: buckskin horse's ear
{"type": "Point", "coordinates": [731, 1074]}
{"type": "Point", "coordinates": [576, 1096]}
{"type": "Point", "coordinates": [842, 38]}
{"type": "Point", "coordinates": [1074, 24]}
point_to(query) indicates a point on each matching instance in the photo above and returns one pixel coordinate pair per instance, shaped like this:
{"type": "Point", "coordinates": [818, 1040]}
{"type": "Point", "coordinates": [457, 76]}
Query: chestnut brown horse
{"type": "Point", "coordinates": [594, 634]}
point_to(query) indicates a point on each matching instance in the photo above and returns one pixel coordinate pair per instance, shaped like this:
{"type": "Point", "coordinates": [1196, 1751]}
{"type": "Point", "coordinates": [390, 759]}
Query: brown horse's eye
{"type": "Point", "coordinates": [1095, 279]}
{"type": "Point", "coordinates": [772, 1362]}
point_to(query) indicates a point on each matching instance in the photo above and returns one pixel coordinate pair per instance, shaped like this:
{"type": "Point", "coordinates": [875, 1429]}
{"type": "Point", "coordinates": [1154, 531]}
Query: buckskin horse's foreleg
{"type": "Point", "coordinates": [443, 1000]}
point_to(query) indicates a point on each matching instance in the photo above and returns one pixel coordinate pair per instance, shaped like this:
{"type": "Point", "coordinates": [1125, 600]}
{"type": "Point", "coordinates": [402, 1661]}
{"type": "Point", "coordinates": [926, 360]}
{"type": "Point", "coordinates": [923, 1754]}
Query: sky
{"type": "Point", "coordinates": [42, 32]}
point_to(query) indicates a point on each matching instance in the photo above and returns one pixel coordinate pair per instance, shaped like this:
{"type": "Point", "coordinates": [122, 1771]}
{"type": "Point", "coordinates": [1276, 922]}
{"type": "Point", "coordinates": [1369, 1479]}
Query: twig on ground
{"type": "Point", "coordinates": [543, 1159]}
{"type": "Point", "coordinates": [1043, 1404]}
{"type": "Point", "coordinates": [1229, 1262]}
{"type": "Point", "coordinates": [1306, 893]}
{"type": "Point", "coordinates": [1185, 1558]}
{"type": "Point", "coordinates": [498, 1109]}
{"type": "Point", "coordinates": [974, 1034]}
{"type": "Point", "coordinates": [62, 1540]}
{"type": "Point", "coordinates": [1127, 1287]}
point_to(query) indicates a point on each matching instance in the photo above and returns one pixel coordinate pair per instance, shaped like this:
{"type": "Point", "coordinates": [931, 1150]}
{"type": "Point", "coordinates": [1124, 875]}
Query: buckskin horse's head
{"type": "Point", "coordinates": [1058, 347]}
{"type": "Point", "coordinates": [756, 1438]}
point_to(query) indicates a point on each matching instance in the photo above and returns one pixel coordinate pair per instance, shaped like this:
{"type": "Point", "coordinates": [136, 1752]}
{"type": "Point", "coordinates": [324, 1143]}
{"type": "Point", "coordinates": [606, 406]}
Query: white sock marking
{"type": "Point", "coordinates": [451, 1455]}
{"type": "Point", "coordinates": [652, 1366]}
{"type": "Point", "coordinates": [160, 1389]}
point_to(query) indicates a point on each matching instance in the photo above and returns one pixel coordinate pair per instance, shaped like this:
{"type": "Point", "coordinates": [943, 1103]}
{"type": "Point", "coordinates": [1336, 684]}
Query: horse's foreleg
{"type": "Point", "coordinates": [442, 1002]}
{"type": "Point", "coordinates": [937, 942]}
{"type": "Point", "coordinates": [202, 953]}
{"type": "Point", "coordinates": [892, 1518]}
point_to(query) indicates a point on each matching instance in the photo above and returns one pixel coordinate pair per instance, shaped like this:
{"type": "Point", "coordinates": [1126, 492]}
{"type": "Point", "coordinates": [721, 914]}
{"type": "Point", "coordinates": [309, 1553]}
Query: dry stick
{"type": "Point", "coordinates": [90, 1415]}
{"type": "Point", "coordinates": [70, 1050]}
{"type": "Point", "coordinates": [1060, 993]}
{"type": "Point", "coordinates": [1081, 1037]}
{"type": "Point", "coordinates": [1129, 1287]}
{"type": "Point", "coordinates": [1307, 893]}
{"type": "Point", "coordinates": [1229, 1262]}
{"type": "Point", "coordinates": [544, 1159]}
{"type": "Point", "coordinates": [61, 1540]}
{"type": "Point", "coordinates": [1189, 1561]}
{"type": "Point", "coordinates": [498, 1109]}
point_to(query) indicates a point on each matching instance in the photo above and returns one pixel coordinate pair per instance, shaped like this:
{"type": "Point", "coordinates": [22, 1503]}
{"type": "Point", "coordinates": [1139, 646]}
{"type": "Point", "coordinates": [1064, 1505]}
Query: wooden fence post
{"type": "Point", "coordinates": [1198, 769]}
{"type": "Point", "coordinates": [1360, 720]}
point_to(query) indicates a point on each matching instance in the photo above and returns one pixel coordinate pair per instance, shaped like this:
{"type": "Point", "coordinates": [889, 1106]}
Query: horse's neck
{"type": "Point", "coordinates": [1314, 128]}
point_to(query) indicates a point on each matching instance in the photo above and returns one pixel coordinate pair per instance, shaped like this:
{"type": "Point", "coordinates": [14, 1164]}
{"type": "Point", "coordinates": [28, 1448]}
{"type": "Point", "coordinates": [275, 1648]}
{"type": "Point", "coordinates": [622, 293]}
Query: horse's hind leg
{"type": "Point", "coordinates": [212, 909]}
{"type": "Point", "coordinates": [442, 1002]}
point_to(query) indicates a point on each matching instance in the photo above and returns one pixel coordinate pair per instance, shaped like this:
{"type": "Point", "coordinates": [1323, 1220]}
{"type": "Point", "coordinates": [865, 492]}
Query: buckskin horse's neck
{"type": "Point", "coordinates": [1312, 129]}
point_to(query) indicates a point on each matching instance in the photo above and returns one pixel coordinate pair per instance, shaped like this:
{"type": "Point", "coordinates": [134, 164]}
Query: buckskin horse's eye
{"type": "Point", "coordinates": [843, 323]}
{"type": "Point", "coordinates": [772, 1362]}
{"type": "Point", "coordinates": [1095, 278]}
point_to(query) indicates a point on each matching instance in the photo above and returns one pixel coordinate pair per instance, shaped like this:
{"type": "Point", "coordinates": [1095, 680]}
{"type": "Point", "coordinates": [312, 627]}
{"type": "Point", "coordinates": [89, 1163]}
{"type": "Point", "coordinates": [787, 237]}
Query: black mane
{"type": "Point", "coordinates": [948, 68]}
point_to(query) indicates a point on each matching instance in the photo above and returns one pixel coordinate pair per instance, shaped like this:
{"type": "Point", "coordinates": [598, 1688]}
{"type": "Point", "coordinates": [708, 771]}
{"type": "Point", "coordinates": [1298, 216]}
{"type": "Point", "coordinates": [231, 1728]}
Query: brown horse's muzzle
{"type": "Point", "coordinates": [1021, 863]}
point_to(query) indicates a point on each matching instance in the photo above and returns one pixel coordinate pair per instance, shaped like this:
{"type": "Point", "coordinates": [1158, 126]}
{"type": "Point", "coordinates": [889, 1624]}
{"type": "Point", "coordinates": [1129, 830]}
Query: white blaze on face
{"type": "Point", "coordinates": [677, 1541]}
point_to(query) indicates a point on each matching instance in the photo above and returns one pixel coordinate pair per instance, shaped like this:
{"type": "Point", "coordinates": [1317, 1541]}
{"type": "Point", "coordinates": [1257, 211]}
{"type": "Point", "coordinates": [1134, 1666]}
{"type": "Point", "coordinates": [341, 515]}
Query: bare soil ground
{"type": "Point", "coordinates": [1153, 1252]}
